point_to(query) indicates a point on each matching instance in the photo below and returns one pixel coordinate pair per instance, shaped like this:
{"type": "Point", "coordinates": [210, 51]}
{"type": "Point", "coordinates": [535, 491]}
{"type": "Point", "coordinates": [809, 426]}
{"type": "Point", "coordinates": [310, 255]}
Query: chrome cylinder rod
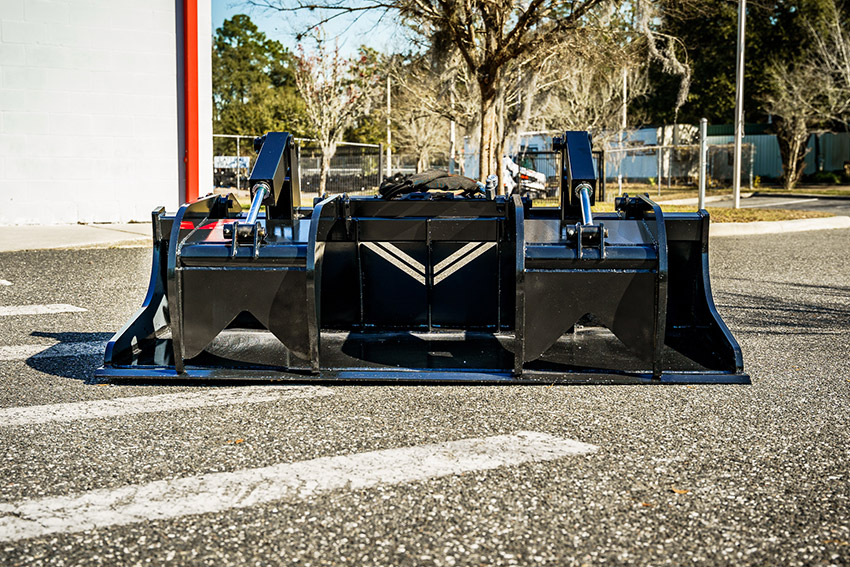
{"type": "Point", "coordinates": [583, 191]}
{"type": "Point", "coordinates": [261, 190]}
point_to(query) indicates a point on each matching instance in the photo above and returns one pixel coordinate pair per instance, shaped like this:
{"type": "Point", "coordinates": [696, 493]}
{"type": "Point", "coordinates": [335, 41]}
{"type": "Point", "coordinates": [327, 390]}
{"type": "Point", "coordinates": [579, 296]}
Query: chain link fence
{"type": "Point", "coordinates": [355, 168]}
{"type": "Point", "coordinates": [233, 157]}
{"type": "Point", "coordinates": [407, 164]}
{"type": "Point", "coordinates": [649, 169]}
{"type": "Point", "coordinates": [548, 162]}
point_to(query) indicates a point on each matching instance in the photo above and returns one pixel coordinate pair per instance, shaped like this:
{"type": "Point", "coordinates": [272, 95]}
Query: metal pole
{"type": "Point", "coordinates": [452, 135]}
{"type": "Point", "coordinates": [659, 171]}
{"type": "Point", "coordinates": [453, 148]}
{"type": "Point", "coordinates": [237, 163]}
{"type": "Point", "coordinates": [389, 134]}
{"type": "Point", "coordinates": [604, 169]}
{"type": "Point", "coordinates": [739, 102]}
{"type": "Point", "coordinates": [703, 148]}
{"type": "Point", "coordinates": [380, 164]}
{"type": "Point", "coordinates": [625, 98]}
{"type": "Point", "coordinates": [623, 126]}
{"type": "Point", "coordinates": [668, 155]}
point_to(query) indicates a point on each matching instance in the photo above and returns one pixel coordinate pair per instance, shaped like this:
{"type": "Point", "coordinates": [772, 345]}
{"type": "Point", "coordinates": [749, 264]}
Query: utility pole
{"type": "Point", "coordinates": [625, 98]}
{"type": "Point", "coordinates": [389, 133]}
{"type": "Point", "coordinates": [703, 150]}
{"type": "Point", "coordinates": [739, 103]}
{"type": "Point", "coordinates": [623, 127]}
{"type": "Point", "coordinates": [452, 139]}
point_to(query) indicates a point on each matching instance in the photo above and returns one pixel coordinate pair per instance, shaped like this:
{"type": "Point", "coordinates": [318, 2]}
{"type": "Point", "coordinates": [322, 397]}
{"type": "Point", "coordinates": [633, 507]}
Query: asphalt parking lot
{"type": "Point", "coordinates": [645, 475]}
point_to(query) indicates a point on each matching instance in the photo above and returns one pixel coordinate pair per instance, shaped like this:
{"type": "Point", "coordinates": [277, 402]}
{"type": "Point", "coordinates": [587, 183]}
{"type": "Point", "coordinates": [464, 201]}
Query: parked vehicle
{"type": "Point", "coordinates": [531, 183]}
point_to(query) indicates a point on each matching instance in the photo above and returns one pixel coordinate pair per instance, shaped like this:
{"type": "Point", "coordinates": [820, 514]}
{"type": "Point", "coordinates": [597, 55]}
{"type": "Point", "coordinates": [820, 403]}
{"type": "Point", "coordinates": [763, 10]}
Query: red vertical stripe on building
{"type": "Point", "coordinates": [190, 66]}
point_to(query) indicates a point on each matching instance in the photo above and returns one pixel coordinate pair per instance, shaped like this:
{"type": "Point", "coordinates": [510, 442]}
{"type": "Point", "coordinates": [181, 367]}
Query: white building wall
{"type": "Point", "coordinates": [89, 109]}
{"type": "Point", "coordinates": [205, 102]}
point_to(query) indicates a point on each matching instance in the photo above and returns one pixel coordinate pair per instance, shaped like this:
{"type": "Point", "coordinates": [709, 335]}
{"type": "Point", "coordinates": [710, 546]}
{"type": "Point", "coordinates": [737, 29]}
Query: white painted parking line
{"type": "Point", "coordinates": [9, 310]}
{"type": "Point", "coordinates": [5, 282]}
{"type": "Point", "coordinates": [218, 492]}
{"type": "Point", "coordinates": [20, 352]}
{"type": "Point", "coordinates": [23, 352]}
{"type": "Point", "coordinates": [119, 407]}
{"type": "Point", "coordinates": [779, 204]}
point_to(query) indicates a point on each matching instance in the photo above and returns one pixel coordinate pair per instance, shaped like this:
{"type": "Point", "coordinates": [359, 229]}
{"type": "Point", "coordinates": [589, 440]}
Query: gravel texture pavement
{"type": "Point", "coordinates": [709, 475]}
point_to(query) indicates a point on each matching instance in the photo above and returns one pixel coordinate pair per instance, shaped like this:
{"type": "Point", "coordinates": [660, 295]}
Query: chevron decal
{"type": "Point", "coordinates": [459, 259]}
{"type": "Point", "coordinates": [416, 270]}
{"type": "Point", "coordinates": [401, 260]}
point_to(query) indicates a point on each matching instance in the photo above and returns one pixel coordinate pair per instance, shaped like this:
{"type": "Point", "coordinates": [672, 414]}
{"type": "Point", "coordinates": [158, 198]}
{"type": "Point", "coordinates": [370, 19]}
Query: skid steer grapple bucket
{"type": "Point", "coordinates": [459, 286]}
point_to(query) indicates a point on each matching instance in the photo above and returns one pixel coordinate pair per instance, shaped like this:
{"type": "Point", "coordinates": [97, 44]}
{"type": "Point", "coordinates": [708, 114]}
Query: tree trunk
{"type": "Point", "coordinates": [500, 153]}
{"type": "Point", "coordinates": [792, 137]}
{"type": "Point", "coordinates": [323, 173]}
{"type": "Point", "coordinates": [328, 152]}
{"type": "Point", "coordinates": [491, 145]}
{"type": "Point", "coordinates": [422, 161]}
{"type": "Point", "coordinates": [488, 143]}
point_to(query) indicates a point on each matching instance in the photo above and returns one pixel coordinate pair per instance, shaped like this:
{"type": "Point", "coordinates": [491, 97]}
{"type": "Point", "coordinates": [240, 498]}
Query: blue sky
{"type": "Point", "coordinates": [382, 36]}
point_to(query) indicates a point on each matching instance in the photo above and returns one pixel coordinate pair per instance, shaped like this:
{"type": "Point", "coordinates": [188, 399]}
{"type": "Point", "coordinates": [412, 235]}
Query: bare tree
{"type": "Point", "coordinates": [591, 97]}
{"type": "Point", "coordinates": [417, 109]}
{"type": "Point", "coordinates": [489, 36]}
{"type": "Point", "coordinates": [493, 37]}
{"type": "Point", "coordinates": [431, 91]}
{"type": "Point", "coordinates": [797, 106]}
{"type": "Point", "coordinates": [831, 54]}
{"type": "Point", "coordinates": [456, 96]}
{"type": "Point", "coordinates": [811, 92]}
{"type": "Point", "coordinates": [335, 93]}
{"type": "Point", "coordinates": [421, 135]}
{"type": "Point", "coordinates": [587, 93]}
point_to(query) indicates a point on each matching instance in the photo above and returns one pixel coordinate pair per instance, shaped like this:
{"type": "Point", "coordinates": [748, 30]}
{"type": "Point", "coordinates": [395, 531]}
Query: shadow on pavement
{"type": "Point", "coordinates": [793, 309]}
{"type": "Point", "coordinates": [76, 355]}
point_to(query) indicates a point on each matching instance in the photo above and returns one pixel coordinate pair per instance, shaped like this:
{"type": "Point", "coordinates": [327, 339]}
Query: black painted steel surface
{"type": "Point", "coordinates": [457, 289]}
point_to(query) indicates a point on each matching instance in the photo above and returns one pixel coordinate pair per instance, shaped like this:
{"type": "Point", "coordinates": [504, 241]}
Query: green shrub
{"type": "Point", "coordinates": [827, 177]}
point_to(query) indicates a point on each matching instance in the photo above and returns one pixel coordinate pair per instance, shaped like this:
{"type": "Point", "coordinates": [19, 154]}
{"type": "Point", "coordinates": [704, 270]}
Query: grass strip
{"type": "Point", "coordinates": [719, 214]}
{"type": "Point", "coordinates": [813, 191]}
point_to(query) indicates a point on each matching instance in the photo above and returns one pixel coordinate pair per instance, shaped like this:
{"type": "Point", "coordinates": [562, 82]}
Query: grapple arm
{"type": "Point", "coordinates": [429, 288]}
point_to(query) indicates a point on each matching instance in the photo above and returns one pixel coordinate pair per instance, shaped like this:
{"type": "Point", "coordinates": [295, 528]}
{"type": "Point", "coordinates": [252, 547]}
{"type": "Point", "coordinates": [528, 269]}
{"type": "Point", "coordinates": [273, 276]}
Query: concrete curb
{"type": "Point", "coordinates": [802, 196]}
{"type": "Point", "coordinates": [777, 227]}
{"type": "Point", "coordinates": [73, 236]}
{"type": "Point", "coordinates": [695, 200]}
